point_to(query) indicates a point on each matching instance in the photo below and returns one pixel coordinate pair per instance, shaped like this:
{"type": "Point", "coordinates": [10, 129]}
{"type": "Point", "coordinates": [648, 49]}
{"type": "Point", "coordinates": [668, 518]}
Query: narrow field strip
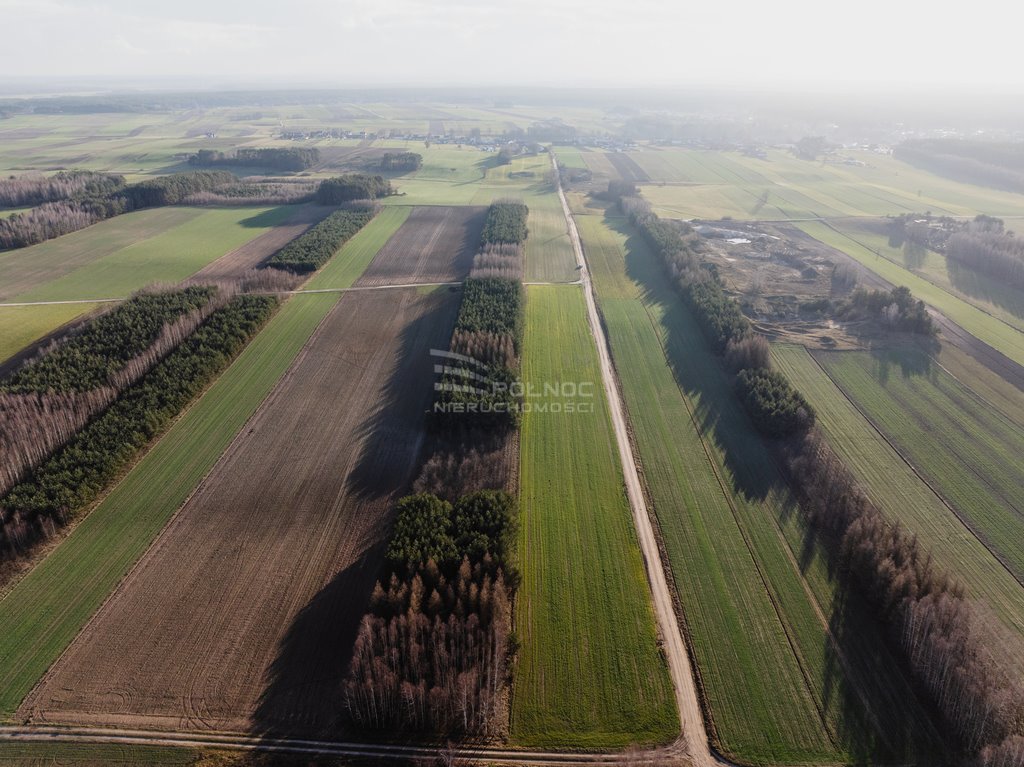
{"type": "Point", "coordinates": [23, 325]}
{"type": "Point", "coordinates": [589, 672]}
{"type": "Point", "coordinates": [901, 494]}
{"type": "Point", "coordinates": [788, 685]}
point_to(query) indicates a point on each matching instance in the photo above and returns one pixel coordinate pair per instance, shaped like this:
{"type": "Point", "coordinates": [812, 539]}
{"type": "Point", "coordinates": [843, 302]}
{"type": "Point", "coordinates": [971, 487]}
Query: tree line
{"type": "Point", "coordinates": [31, 190]}
{"type": "Point", "coordinates": [433, 653]}
{"type": "Point", "coordinates": [310, 251]}
{"type": "Point", "coordinates": [403, 162]}
{"type": "Point", "coordinates": [946, 647]}
{"type": "Point", "coordinates": [278, 158]}
{"type": "Point", "coordinates": [45, 402]}
{"type": "Point", "coordinates": [54, 219]}
{"type": "Point", "coordinates": [352, 186]}
{"type": "Point", "coordinates": [73, 476]}
{"type": "Point", "coordinates": [488, 329]}
{"type": "Point", "coordinates": [999, 165]}
{"type": "Point", "coordinates": [775, 407]}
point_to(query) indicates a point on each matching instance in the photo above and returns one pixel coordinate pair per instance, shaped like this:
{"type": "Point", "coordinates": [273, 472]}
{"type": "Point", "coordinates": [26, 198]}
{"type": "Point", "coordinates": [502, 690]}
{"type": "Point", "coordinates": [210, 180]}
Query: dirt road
{"type": "Point", "coordinates": [690, 716]}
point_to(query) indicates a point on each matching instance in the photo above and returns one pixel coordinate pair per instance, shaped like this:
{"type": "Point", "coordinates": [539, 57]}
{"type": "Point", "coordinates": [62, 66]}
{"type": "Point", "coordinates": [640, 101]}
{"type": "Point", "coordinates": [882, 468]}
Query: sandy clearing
{"type": "Point", "coordinates": [241, 615]}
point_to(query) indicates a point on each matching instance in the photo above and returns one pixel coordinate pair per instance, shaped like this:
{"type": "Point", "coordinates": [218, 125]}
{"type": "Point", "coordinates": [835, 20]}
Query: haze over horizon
{"type": "Point", "coordinates": [569, 43]}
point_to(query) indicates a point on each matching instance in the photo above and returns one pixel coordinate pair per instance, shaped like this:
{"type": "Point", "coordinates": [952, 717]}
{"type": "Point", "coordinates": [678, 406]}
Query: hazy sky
{"type": "Point", "coordinates": [558, 42]}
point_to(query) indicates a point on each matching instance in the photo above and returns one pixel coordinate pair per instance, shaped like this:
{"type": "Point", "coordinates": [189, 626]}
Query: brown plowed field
{"type": "Point", "coordinates": [242, 614]}
{"type": "Point", "coordinates": [435, 244]}
{"type": "Point", "coordinates": [256, 251]}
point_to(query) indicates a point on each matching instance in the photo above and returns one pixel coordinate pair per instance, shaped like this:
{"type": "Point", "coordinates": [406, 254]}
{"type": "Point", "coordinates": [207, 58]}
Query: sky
{"type": "Point", "coordinates": [521, 42]}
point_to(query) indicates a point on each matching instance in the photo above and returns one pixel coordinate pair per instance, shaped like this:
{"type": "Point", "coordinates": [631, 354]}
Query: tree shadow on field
{"type": "Point", "coordinates": [302, 693]}
{"type": "Point", "coordinates": [867, 707]}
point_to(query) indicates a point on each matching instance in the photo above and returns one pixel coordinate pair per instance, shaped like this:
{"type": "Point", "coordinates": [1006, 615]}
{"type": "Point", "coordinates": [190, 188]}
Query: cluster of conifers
{"type": "Point", "coordinates": [434, 650]}
{"type": "Point", "coordinates": [947, 649]}
{"type": "Point", "coordinates": [76, 415]}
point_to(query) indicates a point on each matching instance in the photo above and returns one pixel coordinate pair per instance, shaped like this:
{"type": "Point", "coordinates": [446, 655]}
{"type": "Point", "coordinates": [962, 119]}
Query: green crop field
{"type": "Point", "coordinates": [993, 331]}
{"type": "Point", "coordinates": [755, 598]}
{"type": "Point", "coordinates": [712, 184]}
{"type": "Point", "coordinates": [48, 607]}
{"type": "Point", "coordinates": [169, 256]}
{"type": "Point", "coordinates": [589, 673]}
{"type": "Point", "coordinates": [965, 449]}
{"type": "Point", "coordinates": [21, 325]}
{"type": "Point", "coordinates": [569, 156]}
{"type": "Point", "coordinates": [900, 492]}
{"type": "Point", "coordinates": [114, 258]}
{"type": "Point", "coordinates": [549, 254]}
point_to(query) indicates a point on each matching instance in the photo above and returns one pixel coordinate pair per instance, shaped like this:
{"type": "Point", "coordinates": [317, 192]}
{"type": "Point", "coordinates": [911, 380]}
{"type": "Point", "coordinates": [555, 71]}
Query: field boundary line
{"type": "Point", "coordinates": [691, 720]}
{"type": "Point", "coordinates": [910, 465]}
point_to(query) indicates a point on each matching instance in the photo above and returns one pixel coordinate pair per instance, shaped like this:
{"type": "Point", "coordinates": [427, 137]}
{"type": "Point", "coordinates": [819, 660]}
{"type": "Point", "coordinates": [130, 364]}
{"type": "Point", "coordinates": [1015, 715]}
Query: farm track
{"type": "Point", "coordinates": [693, 734]}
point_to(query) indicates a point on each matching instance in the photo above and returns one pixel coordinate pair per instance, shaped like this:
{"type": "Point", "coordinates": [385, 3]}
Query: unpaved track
{"type": "Point", "coordinates": [241, 615]}
{"type": "Point", "coordinates": [435, 244]}
{"type": "Point", "coordinates": [690, 716]}
{"type": "Point", "coordinates": [253, 253]}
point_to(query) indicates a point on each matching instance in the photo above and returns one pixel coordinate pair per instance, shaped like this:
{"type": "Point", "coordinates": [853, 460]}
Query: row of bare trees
{"type": "Point", "coordinates": [35, 189]}
{"type": "Point", "coordinates": [950, 652]}
{"type": "Point", "coordinates": [432, 655]}
{"type": "Point", "coordinates": [502, 260]}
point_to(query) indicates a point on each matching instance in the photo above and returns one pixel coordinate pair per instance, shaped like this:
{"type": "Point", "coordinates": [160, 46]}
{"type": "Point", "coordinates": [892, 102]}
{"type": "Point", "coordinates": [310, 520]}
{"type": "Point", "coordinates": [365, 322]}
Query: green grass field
{"type": "Point", "coordinates": [549, 254]}
{"type": "Point", "coordinates": [168, 257]}
{"type": "Point", "coordinates": [779, 690]}
{"type": "Point", "coordinates": [959, 443]}
{"type": "Point", "coordinates": [21, 325]}
{"type": "Point", "coordinates": [589, 673]}
{"type": "Point", "coordinates": [569, 156]}
{"type": "Point", "coordinates": [114, 258]}
{"type": "Point", "coordinates": [28, 268]}
{"type": "Point", "coordinates": [901, 494]}
{"type": "Point", "coordinates": [985, 327]}
{"type": "Point", "coordinates": [712, 184]}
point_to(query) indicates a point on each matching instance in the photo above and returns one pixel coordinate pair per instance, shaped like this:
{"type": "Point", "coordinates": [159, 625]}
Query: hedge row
{"type": "Point", "coordinates": [314, 248]}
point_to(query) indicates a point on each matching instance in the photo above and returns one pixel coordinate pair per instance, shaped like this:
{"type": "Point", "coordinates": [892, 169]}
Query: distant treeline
{"type": "Point", "coordinates": [983, 244]}
{"type": "Point", "coordinates": [352, 186]}
{"type": "Point", "coordinates": [53, 219]}
{"type": "Point", "coordinates": [433, 653]}
{"type": "Point", "coordinates": [74, 476]}
{"type": "Point", "coordinates": [25, 191]}
{"type": "Point", "coordinates": [999, 165]}
{"type": "Point", "coordinates": [775, 407]}
{"type": "Point", "coordinates": [948, 650]}
{"type": "Point", "coordinates": [310, 251]}
{"type": "Point", "coordinates": [404, 162]}
{"type": "Point", "coordinates": [278, 158]}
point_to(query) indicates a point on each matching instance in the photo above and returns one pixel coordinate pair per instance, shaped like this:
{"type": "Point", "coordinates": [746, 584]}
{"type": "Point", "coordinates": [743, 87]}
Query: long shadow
{"type": "Point", "coordinates": [976, 285]}
{"type": "Point", "coordinates": [897, 731]}
{"type": "Point", "coordinates": [302, 695]}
